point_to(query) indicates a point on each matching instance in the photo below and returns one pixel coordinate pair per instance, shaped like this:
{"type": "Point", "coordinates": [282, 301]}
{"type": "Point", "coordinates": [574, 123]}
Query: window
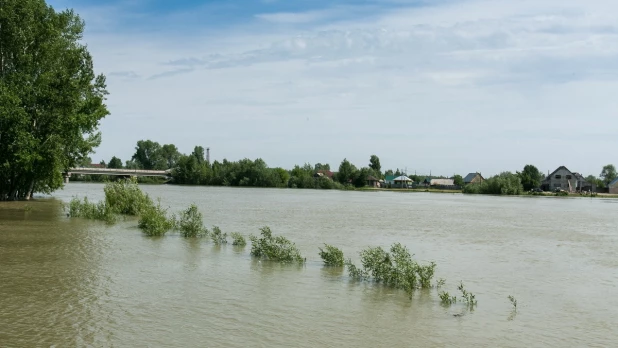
{"type": "Point", "coordinates": [557, 185]}
{"type": "Point", "coordinates": [568, 177]}
{"type": "Point", "coordinates": [558, 176]}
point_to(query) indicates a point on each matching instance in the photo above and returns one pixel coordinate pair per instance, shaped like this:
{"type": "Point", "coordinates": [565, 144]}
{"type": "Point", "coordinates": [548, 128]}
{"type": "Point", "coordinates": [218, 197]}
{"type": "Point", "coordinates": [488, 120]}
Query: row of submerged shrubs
{"type": "Point", "coordinates": [393, 268]}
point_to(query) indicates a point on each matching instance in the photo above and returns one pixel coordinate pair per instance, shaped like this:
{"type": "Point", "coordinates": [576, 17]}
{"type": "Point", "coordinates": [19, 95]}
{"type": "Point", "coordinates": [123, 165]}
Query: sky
{"type": "Point", "coordinates": [446, 86]}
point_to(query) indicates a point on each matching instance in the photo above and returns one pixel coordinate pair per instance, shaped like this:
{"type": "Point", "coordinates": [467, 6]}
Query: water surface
{"type": "Point", "coordinates": [72, 282]}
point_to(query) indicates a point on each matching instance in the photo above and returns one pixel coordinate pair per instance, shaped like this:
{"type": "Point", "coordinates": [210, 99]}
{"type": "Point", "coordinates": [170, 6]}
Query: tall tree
{"type": "Point", "coordinates": [170, 155]}
{"type": "Point", "coordinates": [115, 163]}
{"type": "Point", "coordinates": [198, 153]}
{"type": "Point", "coordinates": [374, 163]}
{"type": "Point", "coordinates": [51, 101]}
{"type": "Point", "coordinates": [457, 180]}
{"type": "Point", "coordinates": [347, 172]}
{"type": "Point", "coordinates": [530, 177]}
{"type": "Point", "coordinates": [320, 166]}
{"type": "Point", "coordinates": [608, 174]}
{"type": "Point", "coordinates": [148, 155]}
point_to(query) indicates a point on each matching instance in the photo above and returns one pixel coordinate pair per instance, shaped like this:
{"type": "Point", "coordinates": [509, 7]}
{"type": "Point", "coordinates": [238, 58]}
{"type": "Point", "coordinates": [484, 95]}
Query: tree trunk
{"type": "Point", "coordinates": [29, 192]}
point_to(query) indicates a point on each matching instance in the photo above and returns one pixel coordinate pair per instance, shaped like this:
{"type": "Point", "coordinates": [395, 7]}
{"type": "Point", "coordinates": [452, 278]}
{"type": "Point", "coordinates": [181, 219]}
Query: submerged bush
{"type": "Point", "coordinates": [191, 223]}
{"type": "Point", "coordinates": [274, 248]}
{"type": "Point", "coordinates": [332, 256]}
{"type": "Point", "coordinates": [395, 269]}
{"type": "Point", "coordinates": [238, 239]}
{"type": "Point", "coordinates": [154, 221]}
{"type": "Point", "coordinates": [447, 299]}
{"type": "Point", "coordinates": [88, 210]}
{"type": "Point", "coordinates": [126, 198]}
{"type": "Point", "coordinates": [217, 236]}
{"type": "Point", "coordinates": [466, 296]}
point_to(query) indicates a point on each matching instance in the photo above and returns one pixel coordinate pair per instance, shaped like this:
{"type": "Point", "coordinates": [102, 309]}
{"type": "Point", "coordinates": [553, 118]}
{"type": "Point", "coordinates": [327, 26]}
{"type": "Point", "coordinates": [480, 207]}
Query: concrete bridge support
{"type": "Point", "coordinates": [66, 177]}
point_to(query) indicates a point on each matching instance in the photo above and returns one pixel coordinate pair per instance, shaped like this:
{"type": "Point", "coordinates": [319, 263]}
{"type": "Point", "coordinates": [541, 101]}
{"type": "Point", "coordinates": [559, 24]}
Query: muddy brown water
{"type": "Point", "coordinates": [71, 282]}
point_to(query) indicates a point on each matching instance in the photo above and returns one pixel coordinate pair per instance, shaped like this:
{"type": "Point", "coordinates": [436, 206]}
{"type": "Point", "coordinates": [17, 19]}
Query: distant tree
{"type": "Point", "coordinates": [84, 162]}
{"type": "Point", "coordinates": [102, 163]}
{"type": "Point", "coordinates": [320, 166]}
{"type": "Point", "coordinates": [360, 177]}
{"type": "Point", "coordinates": [595, 181]}
{"type": "Point", "coordinates": [148, 155]}
{"type": "Point", "coordinates": [398, 173]}
{"type": "Point", "coordinates": [198, 153]}
{"type": "Point", "coordinates": [389, 172]}
{"type": "Point", "coordinates": [374, 163]}
{"type": "Point", "coordinates": [131, 164]}
{"type": "Point", "coordinates": [347, 172]}
{"type": "Point", "coordinates": [457, 179]}
{"type": "Point", "coordinates": [115, 163]}
{"type": "Point", "coordinates": [530, 177]}
{"type": "Point", "coordinates": [608, 174]}
{"type": "Point", "coordinates": [170, 155]}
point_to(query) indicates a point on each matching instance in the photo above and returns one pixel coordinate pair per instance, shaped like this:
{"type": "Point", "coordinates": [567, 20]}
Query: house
{"type": "Point", "coordinates": [389, 180]}
{"type": "Point", "coordinates": [566, 180]}
{"type": "Point", "coordinates": [473, 178]}
{"type": "Point", "coordinates": [613, 186]}
{"type": "Point", "coordinates": [324, 174]}
{"type": "Point", "coordinates": [401, 182]}
{"type": "Point", "coordinates": [442, 182]}
{"type": "Point", "coordinates": [372, 181]}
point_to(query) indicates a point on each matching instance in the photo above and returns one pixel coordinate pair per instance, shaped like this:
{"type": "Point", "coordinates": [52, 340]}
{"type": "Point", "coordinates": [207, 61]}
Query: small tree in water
{"type": "Point", "coordinates": [274, 248]}
{"type": "Point", "coordinates": [332, 256]}
{"type": "Point", "coordinates": [191, 223]}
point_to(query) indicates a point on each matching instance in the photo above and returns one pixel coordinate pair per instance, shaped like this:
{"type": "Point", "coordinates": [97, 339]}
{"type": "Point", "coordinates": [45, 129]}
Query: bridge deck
{"type": "Point", "coordinates": [127, 172]}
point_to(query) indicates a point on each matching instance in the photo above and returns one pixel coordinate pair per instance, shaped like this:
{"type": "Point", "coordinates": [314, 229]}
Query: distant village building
{"type": "Point", "coordinates": [613, 186]}
{"type": "Point", "coordinates": [372, 181]}
{"type": "Point", "coordinates": [442, 182]}
{"type": "Point", "coordinates": [324, 174]}
{"type": "Point", "coordinates": [402, 182]}
{"type": "Point", "coordinates": [566, 180]}
{"type": "Point", "coordinates": [473, 178]}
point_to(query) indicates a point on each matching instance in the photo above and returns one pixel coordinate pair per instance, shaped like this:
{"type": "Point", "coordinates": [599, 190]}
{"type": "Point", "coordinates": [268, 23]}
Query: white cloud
{"type": "Point", "coordinates": [476, 85]}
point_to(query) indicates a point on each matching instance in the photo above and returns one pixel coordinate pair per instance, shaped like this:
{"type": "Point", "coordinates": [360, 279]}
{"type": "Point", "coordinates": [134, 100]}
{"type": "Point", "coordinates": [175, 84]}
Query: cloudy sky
{"type": "Point", "coordinates": [447, 86]}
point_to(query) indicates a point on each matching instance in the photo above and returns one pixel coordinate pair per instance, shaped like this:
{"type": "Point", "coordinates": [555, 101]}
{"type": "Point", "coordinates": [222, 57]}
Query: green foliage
{"type": "Point", "coordinates": [530, 177]}
{"type": "Point", "coordinates": [595, 181]}
{"type": "Point", "coordinates": [503, 184]}
{"type": "Point", "coordinates": [238, 239]}
{"type": "Point", "coordinates": [115, 163]}
{"type": "Point", "coordinates": [457, 180]}
{"type": "Point", "coordinates": [51, 101]}
{"type": "Point", "coordinates": [396, 269]}
{"type": "Point", "coordinates": [513, 302]}
{"type": "Point", "coordinates": [447, 299]}
{"type": "Point", "coordinates": [561, 194]}
{"type": "Point", "coordinates": [332, 256]}
{"type": "Point", "coordinates": [191, 222]}
{"type": "Point", "coordinates": [273, 248]}
{"type": "Point", "coordinates": [88, 210]}
{"type": "Point", "coordinates": [347, 172]}
{"type": "Point", "coordinates": [467, 297]}
{"type": "Point", "coordinates": [374, 163]}
{"type": "Point", "coordinates": [608, 174]}
{"type": "Point", "coordinates": [153, 221]}
{"type": "Point", "coordinates": [126, 198]}
{"type": "Point", "coordinates": [217, 236]}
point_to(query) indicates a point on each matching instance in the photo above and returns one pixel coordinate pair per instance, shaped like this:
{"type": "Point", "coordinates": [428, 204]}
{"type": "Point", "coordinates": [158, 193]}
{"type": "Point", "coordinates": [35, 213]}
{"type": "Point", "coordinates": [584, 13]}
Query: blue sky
{"type": "Point", "coordinates": [449, 86]}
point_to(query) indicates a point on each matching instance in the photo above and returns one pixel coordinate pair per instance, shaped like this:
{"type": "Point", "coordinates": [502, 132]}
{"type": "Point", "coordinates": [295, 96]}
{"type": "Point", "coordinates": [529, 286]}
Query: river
{"type": "Point", "coordinates": [72, 282]}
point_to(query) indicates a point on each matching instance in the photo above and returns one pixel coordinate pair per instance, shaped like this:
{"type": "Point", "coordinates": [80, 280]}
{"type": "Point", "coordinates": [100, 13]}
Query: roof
{"type": "Point", "coordinates": [547, 178]}
{"type": "Point", "coordinates": [327, 173]}
{"type": "Point", "coordinates": [389, 177]}
{"type": "Point", "coordinates": [443, 182]}
{"type": "Point", "coordinates": [614, 182]}
{"type": "Point", "coordinates": [372, 178]}
{"type": "Point", "coordinates": [402, 178]}
{"type": "Point", "coordinates": [471, 177]}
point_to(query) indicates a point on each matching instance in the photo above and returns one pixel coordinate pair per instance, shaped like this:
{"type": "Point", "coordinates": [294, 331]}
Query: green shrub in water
{"type": "Point", "coordinates": [153, 221]}
{"type": "Point", "coordinates": [88, 210]}
{"type": "Point", "coordinates": [395, 269]}
{"type": "Point", "coordinates": [238, 239]}
{"type": "Point", "coordinates": [332, 256]}
{"type": "Point", "coordinates": [274, 248]}
{"type": "Point", "coordinates": [191, 223]}
{"type": "Point", "coordinates": [217, 236]}
{"type": "Point", "coordinates": [126, 198]}
{"type": "Point", "coordinates": [447, 299]}
{"type": "Point", "coordinates": [466, 296]}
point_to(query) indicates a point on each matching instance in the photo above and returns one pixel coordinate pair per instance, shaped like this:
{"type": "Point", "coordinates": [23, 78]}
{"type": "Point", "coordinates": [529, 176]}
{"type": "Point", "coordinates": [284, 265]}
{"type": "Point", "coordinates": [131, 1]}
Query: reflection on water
{"type": "Point", "coordinates": [70, 282]}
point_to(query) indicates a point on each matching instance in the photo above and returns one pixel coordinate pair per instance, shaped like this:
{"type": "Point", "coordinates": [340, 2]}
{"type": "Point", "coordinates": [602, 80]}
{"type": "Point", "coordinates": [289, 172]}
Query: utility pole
{"type": "Point", "coordinates": [207, 155]}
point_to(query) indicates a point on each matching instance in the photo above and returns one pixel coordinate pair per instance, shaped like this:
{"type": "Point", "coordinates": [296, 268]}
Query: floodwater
{"type": "Point", "coordinates": [71, 282]}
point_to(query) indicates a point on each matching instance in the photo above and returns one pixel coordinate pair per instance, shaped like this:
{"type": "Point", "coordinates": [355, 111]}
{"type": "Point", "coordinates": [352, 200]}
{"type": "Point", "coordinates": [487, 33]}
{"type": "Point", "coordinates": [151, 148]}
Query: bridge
{"type": "Point", "coordinates": [127, 173]}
